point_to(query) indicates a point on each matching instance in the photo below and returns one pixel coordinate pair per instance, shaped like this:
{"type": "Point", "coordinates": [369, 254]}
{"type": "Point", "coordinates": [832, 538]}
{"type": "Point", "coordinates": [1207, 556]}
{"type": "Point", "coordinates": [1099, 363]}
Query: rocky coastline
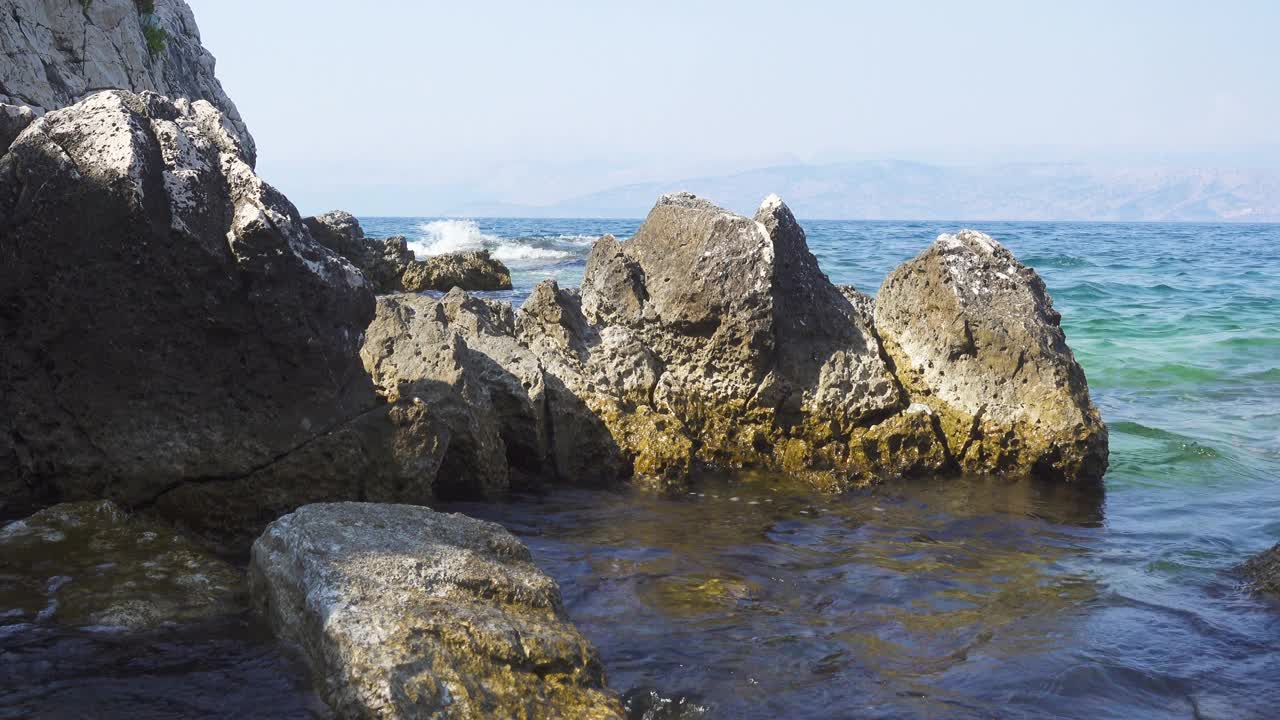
{"type": "Point", "coordinates": [191, 371]}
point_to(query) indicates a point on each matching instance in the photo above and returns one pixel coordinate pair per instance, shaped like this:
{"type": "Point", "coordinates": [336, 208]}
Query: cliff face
{"type": "Point", "coordinates": [58, 51]}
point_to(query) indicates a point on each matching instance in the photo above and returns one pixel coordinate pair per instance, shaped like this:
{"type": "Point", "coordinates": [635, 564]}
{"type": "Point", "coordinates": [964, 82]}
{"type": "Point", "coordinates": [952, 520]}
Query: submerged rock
{"type": "Point", "coordinates": [392, 267]}
{"type": "Point", "coordinates": [974, 336]}
{"type": "Point", "coordinates": [90, 564]}
{"type": "Point", "coordinates": [402, 612]}
{"type": "Point", "coordinates": [1263, 571]}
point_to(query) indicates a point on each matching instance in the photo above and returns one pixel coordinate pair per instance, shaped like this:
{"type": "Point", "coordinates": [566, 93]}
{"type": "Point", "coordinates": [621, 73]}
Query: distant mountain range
{"type": "Point", "coordinates": [896, 190]}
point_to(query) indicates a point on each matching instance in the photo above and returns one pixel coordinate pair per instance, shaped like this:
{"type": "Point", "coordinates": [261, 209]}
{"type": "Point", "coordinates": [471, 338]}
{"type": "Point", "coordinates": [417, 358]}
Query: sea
{"type": "Point", "coordinates": [958, 597]}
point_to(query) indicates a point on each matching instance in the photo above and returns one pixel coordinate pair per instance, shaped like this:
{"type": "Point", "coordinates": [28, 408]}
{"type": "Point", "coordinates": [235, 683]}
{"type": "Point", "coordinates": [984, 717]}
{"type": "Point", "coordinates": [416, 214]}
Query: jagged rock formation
{"type": "Point", "coordinates": [402, 612]}
{"type": "Point", "coordinates": [975, 337]}
{"type": "Point", "coordinates": [90, 563]}
{"type": "Point", "coordinates": [392, 267]}
{"type": "Point", "coordinates": [58, 51]}
{"type": "Point", "coordinates": [1263, 571]}
{"type": "Point", "coordinates": [712, 339]}
{"type": "Point", "coordinates": [171, 333]}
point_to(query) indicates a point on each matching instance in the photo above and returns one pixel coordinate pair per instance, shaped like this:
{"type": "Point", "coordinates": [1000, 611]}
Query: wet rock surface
{"type": "Point", "coordinates": [392, 267]}
{"type": "Point", "coordinates": [91, 564]}
{"type": "Point", "coordinates": [407, 613]}
{"type": "Point", "coordinates": [974, 336]}
{"type": "Point", "coordinates": [1263, 571]}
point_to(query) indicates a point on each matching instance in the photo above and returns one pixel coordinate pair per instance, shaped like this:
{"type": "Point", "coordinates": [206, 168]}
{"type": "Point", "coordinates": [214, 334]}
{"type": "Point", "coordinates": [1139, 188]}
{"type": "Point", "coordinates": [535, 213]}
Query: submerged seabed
{"type": "Point", "coordinates": [948, 598]}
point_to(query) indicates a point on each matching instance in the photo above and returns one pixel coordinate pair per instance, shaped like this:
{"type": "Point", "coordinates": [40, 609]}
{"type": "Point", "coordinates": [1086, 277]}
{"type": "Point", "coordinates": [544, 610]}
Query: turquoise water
{"type": "Point", "coordinates": [960, 598]}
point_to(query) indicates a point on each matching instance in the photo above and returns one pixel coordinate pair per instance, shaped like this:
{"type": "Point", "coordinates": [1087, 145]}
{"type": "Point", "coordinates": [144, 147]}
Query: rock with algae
{"type": "Point", "coordinates": [91, 564]}
{"type": "Point", "coordinates": [403, 612]}
{"type": "Point", "coordinates": [975, 338]}
{"type": "Point", "coordinates": [713, 339]}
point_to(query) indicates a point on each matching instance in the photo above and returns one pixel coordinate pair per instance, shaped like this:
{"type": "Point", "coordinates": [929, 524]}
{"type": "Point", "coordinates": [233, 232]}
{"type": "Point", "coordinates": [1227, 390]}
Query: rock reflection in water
{"type": "Point", "coordinates": [754, 598]}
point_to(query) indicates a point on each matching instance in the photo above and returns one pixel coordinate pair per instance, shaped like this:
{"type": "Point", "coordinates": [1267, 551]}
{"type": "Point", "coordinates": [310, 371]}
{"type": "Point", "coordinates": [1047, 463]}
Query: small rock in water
{"type": "Point", "coordinates": [403, 612]}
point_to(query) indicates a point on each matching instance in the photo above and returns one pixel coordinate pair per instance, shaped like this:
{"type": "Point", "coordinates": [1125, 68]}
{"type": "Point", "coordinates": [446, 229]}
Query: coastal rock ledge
{"type": "Point", "coordinates": [711, 339]}
{"type": "Point", "coordinates": [402, 612]}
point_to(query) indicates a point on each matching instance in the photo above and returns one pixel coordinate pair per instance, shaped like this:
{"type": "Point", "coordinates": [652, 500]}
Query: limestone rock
{"type": "Point", "coordinates": [472, 270]}
{"type": "Point", "coordinates": [167, 321]}
{"type": "Point", "coordinates": [13, 120]}
{"type": "Point", "coordinates": [90, 564]}
{"type": "Point", "coordinates": [383, 262]}
{"type": "Point", "coordinates": [755, 349]}
{"type": "Point", "coordinates": [974, 336]}
{"type": "Point", "coordinates": [402, 612]}
{"type": "Point", "coordinates": [459, 357]}
{"type": "Point", "coordinates": [1263, 571]}
{"type": "Point", "coordinates": [56, 53]}
{"type": "Point", "coordinates": [392, 267]}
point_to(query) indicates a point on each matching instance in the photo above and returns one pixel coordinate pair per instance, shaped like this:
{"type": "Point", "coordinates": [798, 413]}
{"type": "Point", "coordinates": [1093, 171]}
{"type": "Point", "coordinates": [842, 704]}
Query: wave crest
{"type": "Point", "coordinates": [441, 237]}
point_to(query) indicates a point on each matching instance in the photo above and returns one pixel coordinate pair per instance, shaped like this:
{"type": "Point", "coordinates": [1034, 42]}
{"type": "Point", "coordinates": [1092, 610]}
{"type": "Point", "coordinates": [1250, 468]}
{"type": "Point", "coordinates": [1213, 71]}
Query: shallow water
{"type": "Point", "coordinates": [948, 598]}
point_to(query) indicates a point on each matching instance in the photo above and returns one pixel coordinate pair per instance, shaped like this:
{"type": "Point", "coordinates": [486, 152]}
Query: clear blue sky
{"type": "Point", "coordinates": [410, 107]}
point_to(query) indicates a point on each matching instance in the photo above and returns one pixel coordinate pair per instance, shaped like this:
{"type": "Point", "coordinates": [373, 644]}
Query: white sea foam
{"type": "Point", "coordinates": [440, 237]}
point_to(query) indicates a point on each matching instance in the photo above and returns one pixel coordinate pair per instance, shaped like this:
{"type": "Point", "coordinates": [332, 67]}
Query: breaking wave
{"type": "Point", "coordinates": [449, 236]}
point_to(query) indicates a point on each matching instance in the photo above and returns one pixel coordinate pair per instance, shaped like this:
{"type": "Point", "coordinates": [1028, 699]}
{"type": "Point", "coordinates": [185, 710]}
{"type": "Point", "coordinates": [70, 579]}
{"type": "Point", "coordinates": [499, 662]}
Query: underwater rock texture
{"type": "Point", "coordinates": [90, 564]}
{"type": "Point", "coordinates": [403, 612]}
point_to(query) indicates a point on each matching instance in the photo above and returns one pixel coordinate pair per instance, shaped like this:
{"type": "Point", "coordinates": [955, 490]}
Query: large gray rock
{"type": "Point", "coordinates": [706, 338]}
{"type": "Point", "coordinates": [171, 333]}
{"type": "Point", "coordinates": [402, 612]}
{"type": "Point", "coordinates": [383, 262]}
{"type": "Point", "coordinates": [58, 51]}
{"type": "Point", "coordinates": [90, 564]}
{"type": "Point", "coordinates": [458, 355]}
{"type": "Point", "coordinates": [761, 360]}
{"type": "Point", "coordinates": [975, 337]}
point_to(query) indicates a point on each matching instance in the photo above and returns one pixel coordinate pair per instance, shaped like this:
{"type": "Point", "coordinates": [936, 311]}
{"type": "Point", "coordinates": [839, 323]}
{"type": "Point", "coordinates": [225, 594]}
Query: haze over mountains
{"type": "Point", "coordinates": [892, 189]}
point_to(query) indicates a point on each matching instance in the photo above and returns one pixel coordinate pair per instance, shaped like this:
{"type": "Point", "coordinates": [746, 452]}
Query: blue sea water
{"type": "Point", "coordinates": [961, 598]}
